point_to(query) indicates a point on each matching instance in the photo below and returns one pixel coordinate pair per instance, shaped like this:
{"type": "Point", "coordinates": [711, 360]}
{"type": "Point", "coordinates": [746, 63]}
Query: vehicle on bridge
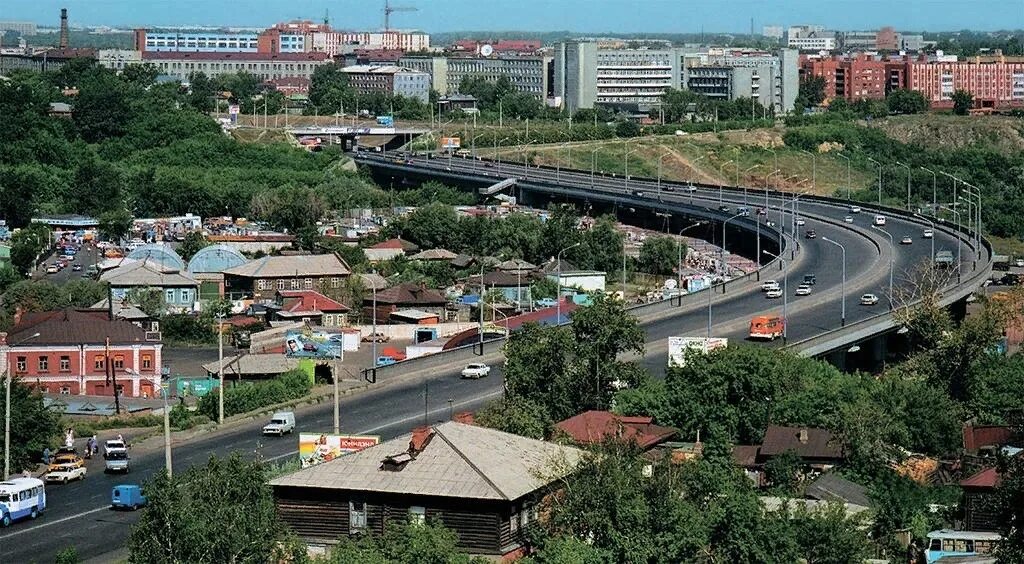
{"type": "Point", "coordinates": [768, 327]}
{"type": "Point", "coordinates": [944, 259]}
{"type": "Point", "coordinates": [810, 279]}
{"type": "Point", "coordinates": [908, 240]}
{"type": "Point", "coordinates": [868, 299]}
{"type": "Point", "coordinates": [879, 220]}
{"type": "Point", "coordinates": [769, 285]}
{"type": "Point", "coordinates": [928, 233]}
{"type": "Point", "coordinates": [811, 234]}
{"type": "Point", "coordinates": [773, 294]}
{"type": "Point", "coordinates": [848, 219]}
{"type": "Point", "coordinates": [803, 290]}
{"type": "Point", "coordinates": [854, 209]}
{"type": "Point", "coordinates": [20, 498]}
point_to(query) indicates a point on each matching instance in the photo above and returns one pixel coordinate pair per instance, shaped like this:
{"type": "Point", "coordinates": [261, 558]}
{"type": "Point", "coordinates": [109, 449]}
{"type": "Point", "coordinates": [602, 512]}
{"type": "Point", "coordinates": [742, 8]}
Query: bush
{"type": "Point", "coordinates": [184, 328]}
{"type": "Point", "coordinates": [248, 397]}
{"type": "Point", "coordinates": [67, 555]}
{"type": "Point", "coordinates": [89, 428]}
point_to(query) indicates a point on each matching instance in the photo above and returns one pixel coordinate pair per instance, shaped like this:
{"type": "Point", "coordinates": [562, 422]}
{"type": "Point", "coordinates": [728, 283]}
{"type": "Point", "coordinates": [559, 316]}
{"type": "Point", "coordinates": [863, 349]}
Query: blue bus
{"type": "Point", "coordinates": [948, 543]}
{"type": "Point", "coordinates": [20, 498]}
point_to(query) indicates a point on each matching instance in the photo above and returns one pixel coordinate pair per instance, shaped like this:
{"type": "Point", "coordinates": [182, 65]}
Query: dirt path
{"type": "Point", "coordinates": [688, 166]}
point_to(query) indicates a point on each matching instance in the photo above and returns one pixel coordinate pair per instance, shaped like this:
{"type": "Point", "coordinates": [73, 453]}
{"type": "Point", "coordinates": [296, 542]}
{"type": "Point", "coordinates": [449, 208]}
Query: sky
{"type": "Point", "coordinates": [623, 16]}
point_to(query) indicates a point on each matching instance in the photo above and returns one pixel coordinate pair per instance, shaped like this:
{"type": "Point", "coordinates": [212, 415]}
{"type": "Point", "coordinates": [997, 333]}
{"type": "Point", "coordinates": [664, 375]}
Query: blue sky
{"type": "Point", "coordinates": [538, 15]}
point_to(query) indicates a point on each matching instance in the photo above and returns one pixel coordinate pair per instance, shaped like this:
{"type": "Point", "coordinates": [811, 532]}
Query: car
{"type": "Point", "coordinates": [638, 193]}
{"type": "Point", "coordinates": [114, 445]}
{"type": "Point", "coordinates": [724, 208]}
{"type": "Point", "coordinates": [64, 473]}
{"type": "Point", "coordinates": [52, 269]}
{"type": "Point", "coordinates": [810, 234]}
{"type": "Point", "coordinates": [127, 496]}
{"type": "Point", "coordinates": [76, 268]}
{"type": "Point", "coordinates": [803, 290]}
{"type": "Point", "coordinates": [879, 220]}
{"type": "Point", "coordinates": [116, 461]}
{"type": "Point", "coordinates": [810, 279]}
{"type": "Point", "coordinates": [376, 338]}
{"type": "Point", "coordinates": [854, 209]}
{"type": "Point", "coordinates": [689, 188]}
{"type": "Point", "coordinates": [281, 423]}
{"type": "Point", "coordinates": [771, 294]}
{"type": "Point", "coordinates": [848, 219]}
{"type": "Point", "coordinates": [670, 188]}
{"type": "Point", "coordinates": [908, 240]}
{"type": "Point", "coordinates": [769, 285]}
{"type": "Point", "coordinates": [744, 210]}
{"type": "Point", "coordinates": [762, 211]}
{"type": "Point", "coordinates": [801, 221]}
{"type": "Point", "coordinates": [546, 302]}
{"type": "Point", "coordinates": [476, 370]}
{"type": "Point", "coordinates": [928, 234]}
{"type": "Point", "coordinates": [1019, 263]}
{"type": "Point", "coordinates": [868, 299]}
{"type": "Point", "coordinates": [66, 456]}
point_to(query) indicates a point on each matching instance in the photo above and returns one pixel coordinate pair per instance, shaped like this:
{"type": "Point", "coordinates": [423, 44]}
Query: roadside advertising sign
{"type": "Point", "coordinates": [317, 448]}
{"type": "Point", "coordinates": [312, 344]}
{"type": "Point", "coordinates": [450, 143]}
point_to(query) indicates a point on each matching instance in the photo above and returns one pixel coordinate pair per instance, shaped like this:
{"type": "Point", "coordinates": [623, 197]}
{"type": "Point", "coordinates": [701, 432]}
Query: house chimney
{"type": "Point", "coordinates": [63, 28]}
{"type": "Point", "coordinates": [803, 436]}
{"type": "Point", "coordinates": [420, 439]}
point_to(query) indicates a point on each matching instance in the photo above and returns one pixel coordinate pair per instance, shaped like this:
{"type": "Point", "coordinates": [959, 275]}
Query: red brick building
{"type": "Point", "coordinates": [857, 77]}
{"type": "Point", "coordinates": [70, 354]}
{"type": "Point", "coordinates": [995, 82]}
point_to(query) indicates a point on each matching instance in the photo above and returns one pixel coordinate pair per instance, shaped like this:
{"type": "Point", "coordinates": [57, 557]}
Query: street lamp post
{"type": "Point", "coordinates": [977, 224]}
{"type": "Point", "coordinates": [932, 225]}
{"type": "Point", "coordinates": [842, 319]}
{"type": "Point", "coordinates": [558, 162]}
{"type": "Point", "coordinates": [959, 241]}
{"type": "Point", "coordinates": [892, 261]}
{"type": "Point", "coordinates": [814, 168]}
{"type": "Point", "coordinates": [725, 266]}
{"type": "Point", "coordinates": [879, 179]}
{"type": "Point", "coordinates": [526, 167]}
{"type": "Point", "coordinates": [558, 274]}
{"type": "Point", "coordinates": [785, 294]}
{"type": "Point", "coordinates": [738, 179]}
{"type": "Point", "coordinates": [935, 201]}
{"type": "Point", "coordinates": [220, 369]}
{"type": "Point", "coordinates": [906, 166]}
{"type": "Point", "coordinates": [847, 173]}
{"type": "Point", "coordinates": [679, 268]}
{"type": "Point", "coordinates": [7, 403]}
{"type": "Point", "coordinates": [766, 177]}
{"type": "Point", "coordinates": [167, 429]}
{"type": "Point", "coordinates": [593, 165]}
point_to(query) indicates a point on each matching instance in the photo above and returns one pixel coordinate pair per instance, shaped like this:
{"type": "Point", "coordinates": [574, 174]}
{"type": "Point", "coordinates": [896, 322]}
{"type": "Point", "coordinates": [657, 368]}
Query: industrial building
{"type": "Point", "coordinates": [268, 66]}
{"type": "Point", "coordinates": [528, 74]}
{"type": "Point", "coordinates": [389, 79]}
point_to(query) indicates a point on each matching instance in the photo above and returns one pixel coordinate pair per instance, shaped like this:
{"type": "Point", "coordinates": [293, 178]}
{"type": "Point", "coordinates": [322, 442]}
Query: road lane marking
{"type": "Point", "coordinates": [61, 520]}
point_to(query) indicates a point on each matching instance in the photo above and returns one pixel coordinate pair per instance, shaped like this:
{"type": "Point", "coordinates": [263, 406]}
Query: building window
{"type": "Point", "coordinates": [169, 296]}
{"type": "Point", "coordinates": [417, 515]}
{"type": "Point", "coordinates": [65, 364]}
{"type": "Point", "coordinates": [22, 364]}
{"type": "Point", "coordinates": [335, 282]}
{"type": "Point", "coordinates": [98, 362]}
{"type": "Point", "coordinates": [119, 362]}
{"type": "Point", "coordinates": [65, 390]}
{"type": "Point", "coordinates": [356, 516]}
{"type": "Point", "coordinates": [44, 364]}
{"type": "Point", "coordinates": [513, 521]}
{"type": "Point", "coordinates": [280, 284]}
{"type": "Point", "coordinates": [328, 320]}
{"type": "Point", "coordinates": [295, 284]}
{"type": "Point", "coordinates": [261, 285]}
{"type": "Point", "coordinates": [147, 361]}
{"type": "Point", "coordinates": [309, 283]}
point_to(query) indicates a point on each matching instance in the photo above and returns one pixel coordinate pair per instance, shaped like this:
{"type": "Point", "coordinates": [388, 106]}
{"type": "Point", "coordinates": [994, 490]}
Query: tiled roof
{"type": "Point", "coordinates": [308, 300]}
{"type": "Point", "coordinates": [516, 264]}
{"type": "Point", "coordinates": [406, 246]}
{"type": "Point", "coordinates": [75, 327]}
{"type": "Point", "coordinates": [434, 254]}
{"type": "Point", "coordinates": [819, 444]}
{"type": "Point", "coordinates": [500, 279]}
{"type": "Point", "coordinates": [291, 267]}
{"type": "Point", "coordinates": [551, 267]}
{"type": "Point", "coordinates": [408, 294]}
{"type": "Point", "coordinates": [987, 478]}
{"type": "Point", "coordinates": [593, 427]}
{"type": "Point", "coordinates": [373, 280]}
{"type": "Point", "coordinates": [459, 460]}
{"type": "Point", "coordinates": [832, 487]}
{"type": "Point", "coordinates": [745, 456]}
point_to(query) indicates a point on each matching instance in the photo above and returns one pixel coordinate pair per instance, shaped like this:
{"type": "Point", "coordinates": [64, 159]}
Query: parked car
{"type": "Point", "coordinates": [868, 299]}
{"type": "Point", "coordinates": [803, 290]}
{"type": "Point", "coordinates": [64, 473]}
{"type": "Point", "coordinates": [476, 370]}
{"type": "Point", "coordinates": [52, 269]}
{"type": "Point", "coordinates": [772, 294]}
{"type": "Point", "coordinates": [908, 240]}
{"type": "Point", "coordinates": [281, 423]}
{"type": "Point", "coordinates": [546, 302]}
{"type": "Point", "coordinates": [76, 268]}
{"type": "Point", "coordinates": [376, 338]}
{"type": "Point", "coordinates": [928, 234]}
{"type": "Point", "coordinates": [127, 496]}
{"type": "Point", "coordinates": [769, 285]}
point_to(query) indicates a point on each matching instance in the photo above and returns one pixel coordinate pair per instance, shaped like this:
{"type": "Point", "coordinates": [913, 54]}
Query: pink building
{"type": "Point", "coordinates": [996, 82]}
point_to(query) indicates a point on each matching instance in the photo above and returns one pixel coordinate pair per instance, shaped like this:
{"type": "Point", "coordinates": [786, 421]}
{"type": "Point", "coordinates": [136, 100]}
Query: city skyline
{"type": "Point", "coordinates": [611, 16]}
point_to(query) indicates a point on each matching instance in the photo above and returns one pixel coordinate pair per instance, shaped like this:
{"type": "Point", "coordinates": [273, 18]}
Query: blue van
{"type": "Point", "coordinates": [127, 496]}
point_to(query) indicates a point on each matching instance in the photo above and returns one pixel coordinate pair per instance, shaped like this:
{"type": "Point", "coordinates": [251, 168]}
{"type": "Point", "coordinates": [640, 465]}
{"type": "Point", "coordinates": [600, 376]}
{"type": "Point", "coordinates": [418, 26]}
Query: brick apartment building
{"type": "Point", "coordinates": [71, 354]}
{"type": "Point", "coordinates": [856, 77]}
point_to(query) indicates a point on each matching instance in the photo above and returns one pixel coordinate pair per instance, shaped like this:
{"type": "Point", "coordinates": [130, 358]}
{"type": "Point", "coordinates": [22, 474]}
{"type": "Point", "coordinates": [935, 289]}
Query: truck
{"type": "Point", "coordinates": [943, 259]}
{"type": "Point", "coordinates": [280, 423]}
{"type": "Point", "coordinates": [768, 327]}
{"type": "Point", "coordinates": [680, 347]}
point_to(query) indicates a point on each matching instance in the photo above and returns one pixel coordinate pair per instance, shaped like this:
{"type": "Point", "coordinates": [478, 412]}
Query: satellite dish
{"type": "Point", "coordinates": [486, 50]}
{"type": "Point", "coordinates": [670, 284]}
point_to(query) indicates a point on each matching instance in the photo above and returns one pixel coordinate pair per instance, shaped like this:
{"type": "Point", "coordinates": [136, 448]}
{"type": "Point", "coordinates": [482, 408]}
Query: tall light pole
{"type": "Point", "coordinates": [785, 294]}
{"type": "Point", "coordinates": [679, 247]}
{"type": "Point", "coordinates": [7, 403]}
{"type": "Point", "coordinates": [935, 201]}
{"type": "Point", "coordinates": [848, 183]}
{"type": "Point", "coordinates": [814, 168]}
{"type": "Point", "coordinates": [959, 241]}
{"type": "Point", "coordinates": [722, 174]}
{"type": "Point", "coordinates": [932, 225]}
{"type": "Point", "coordinates": [977, 211]}
{"type": "Point", "coordinates": [558, 274]}
{"type": "Point", "coordinates": [526, 167]}
{"type": "Point", "coordinates": [766, 177]}
{"type": "Point", "coordinates": [842, 319]}
{"type": "Point", "coordinates": [220, 369]}
{"type": "Point", "coordinates": [738, 179]}
{"type": "Point", "coordinates": [167, 430]}
{"type": "Point", "coordinates": [558, 162]}
{"type": "Point", "coordinates": [879, 179]}
{"type": "Point", "coordinates": [892, 261]}
{"type": "Point", "coordinates": [593, 165]}
{"type": "Point", "coordinates": [906, 166]}
{"type": "Point", "coordinates": [497, 159]}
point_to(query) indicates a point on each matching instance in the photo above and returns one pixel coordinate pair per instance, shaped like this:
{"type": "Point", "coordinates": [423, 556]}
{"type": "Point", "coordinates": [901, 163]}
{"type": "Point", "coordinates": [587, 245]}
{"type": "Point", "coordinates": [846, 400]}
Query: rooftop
{"type": "Point", "coordinates": [292, 267]}
{"type": "Point", "coordinates": [299, 301]}
{"type": "Point", "coordinates": [148, 274]}
{"type": "Point", "coordinates": [408, 294]}
{"type": "Point", "coordinates": [204, 56]}
{"type": "Point", "coordinates": [594, 427]}
{"type": "Point", "coordinates": [447, 460]}
{"type": "Point", "coordinates": [75, 327]}
{"type": "Point", "coordinates": [806, 442]}
{"type": "Point", "coordinates": [434, 254]}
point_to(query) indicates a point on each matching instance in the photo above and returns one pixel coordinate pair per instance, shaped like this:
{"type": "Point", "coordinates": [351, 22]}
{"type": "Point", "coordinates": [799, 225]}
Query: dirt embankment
{"type": "Point", "coordinates": [1005, 134]}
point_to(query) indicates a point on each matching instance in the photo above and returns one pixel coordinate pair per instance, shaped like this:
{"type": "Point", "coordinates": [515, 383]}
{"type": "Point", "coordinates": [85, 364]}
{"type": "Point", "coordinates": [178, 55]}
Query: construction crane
{"type": "Point", "coordinates": [389, 9]}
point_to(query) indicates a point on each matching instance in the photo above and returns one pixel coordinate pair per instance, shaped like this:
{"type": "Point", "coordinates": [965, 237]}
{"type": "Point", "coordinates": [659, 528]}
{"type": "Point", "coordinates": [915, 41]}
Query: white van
{"type": "Point", "coordinates": [879, 220]}
{"type": "Point", "coordinates": [20, 498]}
{"type": "Point", "coordinates": [282, 422]}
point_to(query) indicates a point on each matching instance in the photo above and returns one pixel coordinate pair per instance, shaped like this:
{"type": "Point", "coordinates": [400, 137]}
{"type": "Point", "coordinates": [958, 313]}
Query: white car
{"type": "Point", "coordinates": [803, 290]}
{"type": "Point", "coordinates": [868, 299]}
{"type": "Point", "coordinates": [772, 294]}
{"type": "Point", "coordinates": [928, 234]}
{"type": "Point", "coordinates": [689, 188]}
{"type": "Point", "coordinates": [908, 240]}
{"type": "Point", "coordinates": [65, 473]}
{"type": "Point", "coordinates": [879, 220]}
{"type": "Point", "coordinates": [769, 285]}
{"type": "Point", "coordinates": [848, 219]}
{"type": "Point", "coordinates": [800, 221]}
{"type": "Point", "coordinates": [476, 371]}
{"type": "Point", "coordinates": [854, 209]}
{"type": "Point", "coordinates": [281, 423]}
{"type": "Point", "coordinates": [114, 445]}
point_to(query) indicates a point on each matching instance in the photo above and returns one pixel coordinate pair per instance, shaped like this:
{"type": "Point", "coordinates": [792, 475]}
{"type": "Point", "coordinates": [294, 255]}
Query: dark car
{"type": "Point", "coordinates": [810, 279]}
{"type": "Point", "coordinates": [810, 234]}
{"type": "Point", "coordinates": [670, 188]}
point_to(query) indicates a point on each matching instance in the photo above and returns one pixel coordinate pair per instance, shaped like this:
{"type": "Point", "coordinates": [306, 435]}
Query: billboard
{"type": "Point", "coordinates": [450, 143]}
{"type": "Point", "coordinates": [316, 448]}
{"type": "Point", "coordinates": [312, 344]}
{"type": "Point", "coordinates": [386, 121]}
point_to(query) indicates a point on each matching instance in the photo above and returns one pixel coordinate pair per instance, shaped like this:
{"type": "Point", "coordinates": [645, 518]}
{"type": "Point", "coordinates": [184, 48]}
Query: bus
{"type": "Point", "coordinates": [948, 543]}
{"type": "Point", "coordinates": [20, 498]}
{"type": "Point", "coordinates": [767, 327]}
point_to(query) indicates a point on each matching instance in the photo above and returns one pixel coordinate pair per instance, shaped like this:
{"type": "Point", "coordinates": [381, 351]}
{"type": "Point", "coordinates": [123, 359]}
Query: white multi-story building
{"type": "Point", "coordinates": [268, 66]}
{"type": "Point", "coordinates": [527, 74]}
{"type": "Point", "coordinates": [338, 42]}
{"type": "Point", "coordinates": [389, 79]}
{"type": "Point", "coordinates": [118, 59]}
{"type": "Point", "coordinates": [812, 43]}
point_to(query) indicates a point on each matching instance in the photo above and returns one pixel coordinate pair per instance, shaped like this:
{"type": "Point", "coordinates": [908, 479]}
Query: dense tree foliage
{"type": "Point", "coordinates": [33, 426]}
{"type": "Point", "coordinates": [963, 100]}
{"type": "Point", "coordinates": [810, 94]}
{"type": "Point", "coordinates": [661, 255]}
{"type": "Point", "coordinates": [427, 543]}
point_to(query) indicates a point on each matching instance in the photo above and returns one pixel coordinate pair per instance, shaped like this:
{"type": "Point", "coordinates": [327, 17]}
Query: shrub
{"type": "Point", "coordinates": [247, 397]}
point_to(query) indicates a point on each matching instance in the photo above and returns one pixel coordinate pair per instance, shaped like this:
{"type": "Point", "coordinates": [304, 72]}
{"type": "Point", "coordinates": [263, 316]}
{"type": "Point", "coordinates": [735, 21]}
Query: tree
{"type": "Point", "coordinates": [141, 75]}
{"type": "Point", "coordinates": [962, 102]}
{"type": "Point", "coordinates": [431, 227]}
{"type": "Point", "coordinates": [193, 242]}
{"type": "Point", "coordinates": [627, 128]}
{"type": "Point", "coordinates": [519, 416]}
{"type": "Point", "coordinates": [827, 536]}
{"type": "Point", "coordinates": [101, 108]}
{"type": "Point", "coordinates": [115, 224]}
{"type": "Point", "coordinates": [185, 517]}
{"type": "Point", "coordinates": [603, 246]}
{"type": "Point", "coordinates": [427, 543]}
{"type": "Point", "coordinates": [27, 244]}
{"type": "Point", "coordinates": [1010, 507]}
{"type": "Point", "coordinates": [903, 101]}
{"type": "Point", "coordinates": [660, 255]}
{"type": "Point", "coordinates": [150, 301]}
{"type": "Point", "coordinates": [783, 472]}
{"type": "Point", "coordinates": [811, 93]}
{"type": "Point", "coordinates": [289, 207]}
{"type": "Point", "coordinates": [33, 425]}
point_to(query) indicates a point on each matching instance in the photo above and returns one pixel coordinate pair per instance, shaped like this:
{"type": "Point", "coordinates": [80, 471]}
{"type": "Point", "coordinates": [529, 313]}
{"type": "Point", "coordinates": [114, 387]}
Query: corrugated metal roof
{"type": "Point", "coordinates": [291, 266]}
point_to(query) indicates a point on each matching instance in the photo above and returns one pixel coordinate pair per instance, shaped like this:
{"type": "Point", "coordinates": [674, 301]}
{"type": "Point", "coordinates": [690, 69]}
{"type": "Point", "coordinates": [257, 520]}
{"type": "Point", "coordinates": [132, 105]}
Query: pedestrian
{"type": "Point", "coordinates": [88, 448]}
{"type": "Point", "coordinates": [95, 445]}
{"type": "Point", "coordinates": [46, 455]}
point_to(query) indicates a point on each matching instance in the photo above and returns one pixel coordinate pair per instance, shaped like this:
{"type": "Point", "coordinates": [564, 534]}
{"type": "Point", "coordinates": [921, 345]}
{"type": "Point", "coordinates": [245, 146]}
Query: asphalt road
{"type": "Point", "coordinates": [86, 256]}
{"type": "Point", "coordinates": [77, 513]}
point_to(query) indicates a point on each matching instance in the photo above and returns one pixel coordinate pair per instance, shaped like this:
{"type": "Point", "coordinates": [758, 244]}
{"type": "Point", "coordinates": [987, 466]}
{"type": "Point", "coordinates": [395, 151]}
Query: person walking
{"type": "Point", "coordinates": [88, 448]}
{"type": "Point", "coordinates": [95, 445]}
{"type": "Point", "coordinates": [46, 455]}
